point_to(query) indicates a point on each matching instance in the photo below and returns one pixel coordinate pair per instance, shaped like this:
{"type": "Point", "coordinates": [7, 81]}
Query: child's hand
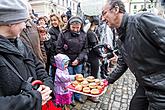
{"type": "Point", "coordinates": [76, 76]}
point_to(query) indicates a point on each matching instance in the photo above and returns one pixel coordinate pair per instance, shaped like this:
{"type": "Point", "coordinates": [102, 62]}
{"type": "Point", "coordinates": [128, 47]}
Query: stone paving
{"type": "Point", "coordinates": [117, 96]}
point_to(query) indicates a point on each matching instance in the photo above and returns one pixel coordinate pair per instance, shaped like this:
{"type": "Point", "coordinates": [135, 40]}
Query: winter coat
{"type": "Point", "coordinates": [30, 36]}
{"type": "Point", "coordinates": [142, 49]}
{"type": "Point", "coordinates": [11, 86]}
{"type": "Point", "coordinates": [54, 32]}
{"type": "Point", "coordinates": [92, 42]}
{"type": "Point", "coordinates": [62, 77]}
{"type": "Point", "coordinates": [73, 45]}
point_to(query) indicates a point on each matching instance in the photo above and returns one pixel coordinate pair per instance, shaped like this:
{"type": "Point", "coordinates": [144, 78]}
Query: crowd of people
{"type": "Point", "coordinates": [55, 50]}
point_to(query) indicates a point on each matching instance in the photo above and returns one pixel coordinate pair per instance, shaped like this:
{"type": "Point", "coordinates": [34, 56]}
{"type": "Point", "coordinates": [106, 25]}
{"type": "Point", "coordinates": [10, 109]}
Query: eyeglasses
{"type": "Point", "coordinates": [105, 11]}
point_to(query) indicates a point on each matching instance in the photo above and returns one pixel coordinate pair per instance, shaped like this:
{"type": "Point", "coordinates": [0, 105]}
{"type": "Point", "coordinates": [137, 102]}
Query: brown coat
{"type": "Point", "coordinates": [30, 36]}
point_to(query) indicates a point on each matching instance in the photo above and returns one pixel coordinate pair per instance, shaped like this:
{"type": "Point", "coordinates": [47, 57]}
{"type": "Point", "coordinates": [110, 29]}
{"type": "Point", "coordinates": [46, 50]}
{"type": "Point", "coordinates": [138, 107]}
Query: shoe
{"type": "Point", "coordinates": [81, 100]}
{"type": "Point", "coordinates": [73, 103]}
{"type": "Point", "coordinates": [94, 99]}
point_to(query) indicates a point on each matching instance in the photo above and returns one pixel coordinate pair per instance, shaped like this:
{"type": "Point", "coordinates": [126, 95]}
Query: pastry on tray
{"type": "Point", "coordinates": [99, 87]}
{"type": "Point", "coordinates": [78, 87]}
{"type": "Point", "coordinates": [88, 86]}
{"type": "Point", "coordinates": [75, 83]}
{"type": "Point", "coordinates": [95, 91]}
{"type": "Point", "coordinates": [90, 79]}
{"type": "Point", "coordinates": [86, 90]}
{"type": "Point", "coordinates": [92, 85]}
{"type": "Point", "coordinates": [97, 81]}
{"type": "Point", "coordinates": [84, 83]}
{"type": "Point", "coordinates": [79, 77]}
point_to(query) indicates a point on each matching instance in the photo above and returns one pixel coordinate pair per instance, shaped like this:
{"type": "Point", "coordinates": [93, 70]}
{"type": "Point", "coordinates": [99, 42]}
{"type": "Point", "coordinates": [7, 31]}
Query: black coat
{"type": "Point", "coordinates": [142, 46]}
{"type": "Point", "coordinates": [142, 50]}
{"type": "Point", "coordinates": [92, 42]}
{"type": "Point", "coordinates": [27, 65]}
{"type": "Point", "coordinates": [54, 32]}
{"type": "Point", "coordinates": [73, 45]}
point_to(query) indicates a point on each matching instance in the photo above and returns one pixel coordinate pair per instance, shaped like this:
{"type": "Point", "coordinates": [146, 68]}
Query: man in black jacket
{"type": "Point", "coordinates": [142, 50]}
{"type": "Point", "coordinates": [18, 64]}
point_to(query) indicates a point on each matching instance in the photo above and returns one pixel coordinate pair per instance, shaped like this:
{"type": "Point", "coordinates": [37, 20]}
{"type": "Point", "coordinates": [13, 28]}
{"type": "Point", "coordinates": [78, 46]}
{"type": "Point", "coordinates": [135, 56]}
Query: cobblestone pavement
{"type": "Point", "coordinates": [117, 96]}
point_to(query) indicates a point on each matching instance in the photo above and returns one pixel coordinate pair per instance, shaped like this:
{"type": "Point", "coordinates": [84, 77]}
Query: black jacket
{"type": "Point", "coordinates": [54, 32]}
{"type": "Point", "coordinates": [142, 47]}
{"type": "Point", "coordinates": [27, 65]}
{"type": "Point", "coordinates": [92, 42]}
{"type": "Point", "coordinates": [73, 45]}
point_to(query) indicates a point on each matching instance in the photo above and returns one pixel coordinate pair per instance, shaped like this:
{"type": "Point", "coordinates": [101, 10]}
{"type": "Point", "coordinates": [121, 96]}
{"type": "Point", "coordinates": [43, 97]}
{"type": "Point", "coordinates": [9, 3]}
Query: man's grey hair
{"type": "Point", "coordinates": [119, 3]}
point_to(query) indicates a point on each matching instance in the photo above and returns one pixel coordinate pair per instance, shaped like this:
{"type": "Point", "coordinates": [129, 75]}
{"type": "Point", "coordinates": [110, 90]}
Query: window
{"type": "Point", "coordinates": [142, 6]}
{"type": "Point", "coordinates": [149, 6]}
{"type": "Point", "coordinates": [67, 3]}
{"type": "Point", "coordinates": [62, 2]}
{"type": "Point", "coordinates": [73, 6]}
{"type": "Point", "coordinates": [58, 2]}
{"type": "Point", "coordinates": [52, 10]}
{"type": "Point", "coordinates": [134, 7]}
{"type": "Point", "coordinates": [70, 4]}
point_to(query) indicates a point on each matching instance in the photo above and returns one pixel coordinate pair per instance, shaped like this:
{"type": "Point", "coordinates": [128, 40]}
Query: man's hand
{"type": "Point", "coordinates": [45, 93]}
{"type": "Point", "coordinates": [114, 59]}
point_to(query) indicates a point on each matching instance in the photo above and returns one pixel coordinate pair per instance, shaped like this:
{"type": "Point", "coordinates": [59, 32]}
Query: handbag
{"type": "Point", "coordinates": [49, 105]}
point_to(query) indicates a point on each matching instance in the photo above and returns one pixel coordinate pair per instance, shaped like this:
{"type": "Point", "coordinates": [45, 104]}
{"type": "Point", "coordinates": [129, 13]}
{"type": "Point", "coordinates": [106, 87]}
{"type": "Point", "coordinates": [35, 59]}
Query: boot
{"type": "Point", "coordinates": [82, 99]}
{"type": "Point", "coordinates": [94, 99]}
{"type": "Point", "coordinates": [73, 103]}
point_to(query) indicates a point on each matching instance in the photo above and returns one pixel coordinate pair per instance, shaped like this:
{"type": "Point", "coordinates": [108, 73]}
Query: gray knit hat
{"type": "Point", "coordinates": [75, 19]}
{"type": "Point", "coordinates": [12, 11]}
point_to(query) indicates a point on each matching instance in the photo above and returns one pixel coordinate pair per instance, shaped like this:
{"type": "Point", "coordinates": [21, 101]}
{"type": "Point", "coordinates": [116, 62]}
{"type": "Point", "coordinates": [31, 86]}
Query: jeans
{"type": "Point", "coordinates": [75, 69]}
{"type": "Point", "coordinates": [72, 71]}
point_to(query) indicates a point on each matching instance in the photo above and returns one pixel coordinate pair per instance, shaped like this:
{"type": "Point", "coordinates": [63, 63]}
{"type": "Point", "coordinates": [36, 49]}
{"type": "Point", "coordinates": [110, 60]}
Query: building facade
{"type": "Point", "coordinates": [143, 5]}
{"type": "Point", "coordinates": [47, 7]}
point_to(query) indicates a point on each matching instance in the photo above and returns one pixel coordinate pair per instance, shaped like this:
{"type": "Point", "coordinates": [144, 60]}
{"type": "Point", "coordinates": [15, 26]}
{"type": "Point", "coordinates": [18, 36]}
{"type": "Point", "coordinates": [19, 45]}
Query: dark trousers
{"type": "Point", "coordinates": [94, 65]}
{"type": "Point", "coordinates": [139, 100]}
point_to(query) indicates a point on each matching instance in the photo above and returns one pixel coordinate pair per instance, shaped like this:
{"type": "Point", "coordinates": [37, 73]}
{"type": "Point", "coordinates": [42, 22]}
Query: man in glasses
{"type": "Point", "coordinates": [141, 49]}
